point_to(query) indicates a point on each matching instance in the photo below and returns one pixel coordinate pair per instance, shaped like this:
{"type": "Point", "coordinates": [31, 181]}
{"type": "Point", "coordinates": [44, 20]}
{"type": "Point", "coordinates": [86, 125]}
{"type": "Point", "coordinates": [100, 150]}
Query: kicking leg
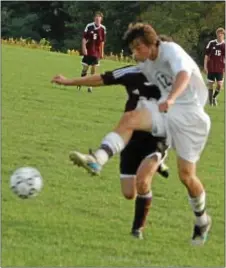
{"type": "Point", "coordinates": [115, 141]}
{"type": "Point", "coordinates": [197, 198]}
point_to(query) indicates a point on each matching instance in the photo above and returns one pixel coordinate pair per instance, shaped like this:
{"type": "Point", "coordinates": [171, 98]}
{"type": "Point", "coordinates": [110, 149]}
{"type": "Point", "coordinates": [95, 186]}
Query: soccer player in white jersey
{"type": "Point", "coordinates": [179, 115]}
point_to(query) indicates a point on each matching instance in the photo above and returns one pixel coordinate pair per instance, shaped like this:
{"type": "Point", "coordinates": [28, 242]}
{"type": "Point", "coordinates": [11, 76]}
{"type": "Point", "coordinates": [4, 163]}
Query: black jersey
{"type": "Point", "coordinates": [135, 82]}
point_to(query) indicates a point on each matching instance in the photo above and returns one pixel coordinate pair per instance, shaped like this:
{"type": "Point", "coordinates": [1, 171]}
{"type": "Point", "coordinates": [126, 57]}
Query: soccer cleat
{"type": "Point", "coordinates": [79, 88]}
{"type": "Point", "coordinates": [200, 233]}
{"type": "Point", "coordinates": [90, 89]}
{"type": "Point", "coordinates": [163, 170]}
{"type": "Point", "coordinates": [137, 234]}
{"type": "Point", "coordinates": [215, 102]}
{"type": "Point", "coordinates": [87, 161]}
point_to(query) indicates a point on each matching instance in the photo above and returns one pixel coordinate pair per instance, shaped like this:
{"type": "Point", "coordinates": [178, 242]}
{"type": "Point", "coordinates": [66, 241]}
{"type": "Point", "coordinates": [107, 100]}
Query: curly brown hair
{"type": "Point", "coordinates": [144, 32]}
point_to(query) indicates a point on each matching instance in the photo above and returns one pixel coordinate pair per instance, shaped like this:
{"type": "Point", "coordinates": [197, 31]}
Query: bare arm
{"type": "Point", "coordinates": [93, 81]}
{"type": "Point", "coordinates": [84, 50]}
{"type": "Point", "coordinates": [206, 58]}
{"type": "Point", "coordinates": [102, 50]}
{"type": "Point", "coordinates": [179, 85]}
{"type": "Point", "coordinates": [182, 80]}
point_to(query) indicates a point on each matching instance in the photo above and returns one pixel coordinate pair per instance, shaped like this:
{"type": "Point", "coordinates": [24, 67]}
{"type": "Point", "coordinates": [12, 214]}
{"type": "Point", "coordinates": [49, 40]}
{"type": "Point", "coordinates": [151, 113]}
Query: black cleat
{"type": "Point", "coordinates": [163, 170]}
{"type": "Point", "coordinates": [137, 234]}
{"type": "Point", "coordinates": [90, 89]}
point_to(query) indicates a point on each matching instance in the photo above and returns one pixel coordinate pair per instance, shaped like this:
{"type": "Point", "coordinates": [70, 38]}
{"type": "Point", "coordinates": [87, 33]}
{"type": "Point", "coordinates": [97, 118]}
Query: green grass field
{"type": "Point", "coordinates": [78, 220]}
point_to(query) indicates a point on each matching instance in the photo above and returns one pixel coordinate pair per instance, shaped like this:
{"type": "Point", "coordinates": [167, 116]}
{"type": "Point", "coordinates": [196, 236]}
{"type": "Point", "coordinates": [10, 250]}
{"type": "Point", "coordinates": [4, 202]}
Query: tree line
{"type": "Point", "coordinates": [191, 24]}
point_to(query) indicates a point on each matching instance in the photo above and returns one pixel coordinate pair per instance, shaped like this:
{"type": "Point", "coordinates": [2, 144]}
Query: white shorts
{"type": "Point", "coordinates": [186, 128]}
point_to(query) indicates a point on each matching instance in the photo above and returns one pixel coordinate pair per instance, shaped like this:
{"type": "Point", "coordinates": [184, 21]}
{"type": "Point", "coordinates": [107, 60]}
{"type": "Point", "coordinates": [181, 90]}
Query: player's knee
{"type": "Point", "coordinates": [142, 186]}
{"type": "Point", "coordinates": [185, 175]}
{"type": "Point", "coordinates": [129, 194]}
{"type": "Point", "coordinates": [210, 85]}
{"type": "Point", "coordinates": [219, 85]}
{"type": "Point", "coordinates": [128, 187]}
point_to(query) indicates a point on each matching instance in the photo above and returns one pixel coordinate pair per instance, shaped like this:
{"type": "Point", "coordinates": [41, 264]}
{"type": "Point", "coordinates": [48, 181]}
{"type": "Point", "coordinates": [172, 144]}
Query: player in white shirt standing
{"type": "Point", "coordinates": [179, 115]}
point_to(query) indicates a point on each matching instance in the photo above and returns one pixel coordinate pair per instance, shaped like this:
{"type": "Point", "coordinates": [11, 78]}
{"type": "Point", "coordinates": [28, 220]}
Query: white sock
{"type": "Point", "coordinates": [101, 156]}
{"type": "Point", "coordinates": [115, 142]}
{"type": "Point", "coordinates": [147, 196]}
{"type": "Point", "coordinates": [198, 204]}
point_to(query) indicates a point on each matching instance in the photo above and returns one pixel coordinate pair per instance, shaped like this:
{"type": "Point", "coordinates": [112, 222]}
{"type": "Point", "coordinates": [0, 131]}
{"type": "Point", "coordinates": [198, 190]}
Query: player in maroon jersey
{"type": "Point", "coordinates": [93, 45]}
{"type": "Point", "coordinates": [214, 64]}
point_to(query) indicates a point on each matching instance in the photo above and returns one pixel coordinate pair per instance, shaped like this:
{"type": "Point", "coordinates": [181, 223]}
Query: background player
{"type": "Point", "coordinates": [214, 64]}
{"type": "Point", "coordinates": [93, 45]}
{"type": "Point", "coordinates": [143, 150]}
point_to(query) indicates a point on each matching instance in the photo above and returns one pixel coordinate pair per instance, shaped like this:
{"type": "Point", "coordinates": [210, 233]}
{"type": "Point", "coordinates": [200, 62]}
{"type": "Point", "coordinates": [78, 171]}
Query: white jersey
{"type": "Point", "coordinates": [170, 61]}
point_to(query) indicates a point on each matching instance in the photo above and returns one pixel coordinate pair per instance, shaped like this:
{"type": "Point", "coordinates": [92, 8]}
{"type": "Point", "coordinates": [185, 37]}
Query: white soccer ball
{"type": "Point", "coordinates": [26, 182]}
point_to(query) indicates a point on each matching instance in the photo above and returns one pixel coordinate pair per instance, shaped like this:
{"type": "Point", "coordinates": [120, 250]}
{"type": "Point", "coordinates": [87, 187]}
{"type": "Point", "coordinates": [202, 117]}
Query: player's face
{"type": "Point", "coordinates": [97, 20]}
{"type": "Point", "coordinates": [220, 36]}
{"type": "Point", "coordinates": [142, 52]}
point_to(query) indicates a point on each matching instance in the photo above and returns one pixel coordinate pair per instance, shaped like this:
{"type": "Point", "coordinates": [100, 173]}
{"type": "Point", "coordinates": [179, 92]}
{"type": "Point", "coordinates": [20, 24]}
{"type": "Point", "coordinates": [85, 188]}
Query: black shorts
{"type": "Point", "coordinates": [141, 145]}
{"type": "Point", "coordinates": [90, 60]}
{"type": "Point", "coordinates": [212, 77]}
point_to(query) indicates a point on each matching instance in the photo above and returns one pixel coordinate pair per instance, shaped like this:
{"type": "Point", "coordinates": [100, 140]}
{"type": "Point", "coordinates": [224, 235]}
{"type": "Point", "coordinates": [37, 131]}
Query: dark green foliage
{"type": "Point", "coordinates": [191, 24]}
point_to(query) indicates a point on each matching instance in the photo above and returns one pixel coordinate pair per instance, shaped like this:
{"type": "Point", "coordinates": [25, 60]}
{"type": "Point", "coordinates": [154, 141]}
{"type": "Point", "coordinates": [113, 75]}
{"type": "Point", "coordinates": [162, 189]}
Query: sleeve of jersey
{"type": "Point", "coordinates": [85, 32]}
{"type": "Point", "coordinates": [178, 59]}
{"type": "Point", "coordinates": [104, 34]}
{"type": "Point", "coordinates": [109, 79]}
{"type": "Point", "coordinates": [207, 50]}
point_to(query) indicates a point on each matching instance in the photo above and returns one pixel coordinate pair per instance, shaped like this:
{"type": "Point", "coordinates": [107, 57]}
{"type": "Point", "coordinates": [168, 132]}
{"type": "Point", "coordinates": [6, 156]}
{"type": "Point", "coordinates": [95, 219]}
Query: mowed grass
{"type": "Point", "coordinates": [78, 220]}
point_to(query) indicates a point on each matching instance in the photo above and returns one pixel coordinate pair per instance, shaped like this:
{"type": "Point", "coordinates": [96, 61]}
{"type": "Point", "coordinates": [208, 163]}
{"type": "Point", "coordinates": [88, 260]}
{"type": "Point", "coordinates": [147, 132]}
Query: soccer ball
{"type": "Point", "coordinates": [26, 182]}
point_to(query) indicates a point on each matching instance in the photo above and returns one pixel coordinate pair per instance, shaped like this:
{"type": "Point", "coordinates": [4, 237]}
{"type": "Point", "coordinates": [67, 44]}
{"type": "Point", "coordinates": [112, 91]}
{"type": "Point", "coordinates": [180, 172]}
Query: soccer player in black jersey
{"type": "Point", "coordinates": [143, 149]}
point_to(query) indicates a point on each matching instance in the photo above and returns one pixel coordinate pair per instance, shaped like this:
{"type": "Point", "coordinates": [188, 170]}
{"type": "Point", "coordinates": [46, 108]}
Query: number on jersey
{"type": "Point", "coordinates": [217, 53]}
{"type": "Point", "coordinates": [94, 36]}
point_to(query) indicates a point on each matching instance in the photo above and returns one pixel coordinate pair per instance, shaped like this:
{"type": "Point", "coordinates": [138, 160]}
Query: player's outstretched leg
{"type": "Point", "coordinates": [143, 200]}
{"type": "Point", "coordinates": [114, 142]}
{"type": "Point", "coordinates": [87, 161]}
{"type": "Point", "coordinates": [197, 198]}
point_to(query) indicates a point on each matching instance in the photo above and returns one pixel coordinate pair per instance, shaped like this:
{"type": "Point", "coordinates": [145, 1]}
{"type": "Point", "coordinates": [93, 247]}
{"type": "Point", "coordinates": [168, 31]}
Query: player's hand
{"type": "Point", "coordinates": [164, 106]}
{"type": "Point", "coordinates": [59, 79]}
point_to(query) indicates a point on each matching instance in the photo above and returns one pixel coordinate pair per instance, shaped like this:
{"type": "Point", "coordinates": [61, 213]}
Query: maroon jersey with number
{"type": "Point", "coordinates": [216, 53]}
{"type": "Point", "coordinates": [94, 36]}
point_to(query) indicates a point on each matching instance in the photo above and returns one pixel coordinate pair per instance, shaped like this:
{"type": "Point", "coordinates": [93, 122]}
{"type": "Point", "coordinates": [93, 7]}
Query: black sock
{"type": "Point", "coordinates": [107, 149]}
{"type": "Point", "coordinates": [84, 73]}
{"type": "Point", "coordinates": [216, 93]}
{"type": "Point", "coordinates": [210, 95]}
{"type": "Point", "coordinates": [142, 206]}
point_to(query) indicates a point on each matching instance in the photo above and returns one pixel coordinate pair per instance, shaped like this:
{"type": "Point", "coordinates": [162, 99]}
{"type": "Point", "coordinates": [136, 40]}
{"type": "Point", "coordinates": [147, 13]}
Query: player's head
{"type": "Point", "coordinates": [142, 40]}
{"type": "Point", "coordinates": [220, 32]}
{"type": "Point", "coordinates": [98, 17]}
